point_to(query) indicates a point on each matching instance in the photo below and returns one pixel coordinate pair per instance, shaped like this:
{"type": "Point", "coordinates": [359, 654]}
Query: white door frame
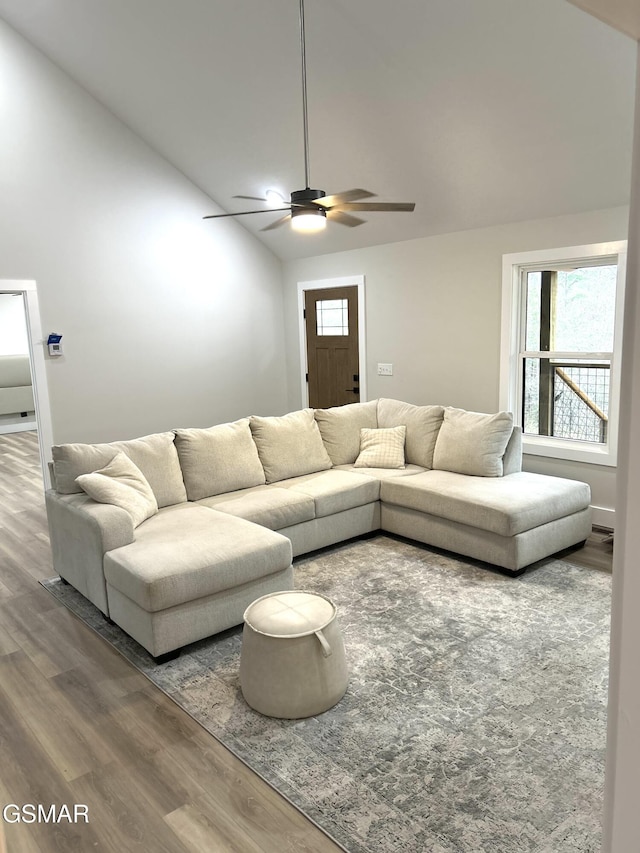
{"type": "Point", "coordinates": [27, 289]}
{"type": "Point", "coordinates": [321, 284]}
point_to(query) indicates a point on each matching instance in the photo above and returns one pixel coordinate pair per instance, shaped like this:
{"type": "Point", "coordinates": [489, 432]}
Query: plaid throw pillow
{"type": "Point", "coordinates": [382, 448]}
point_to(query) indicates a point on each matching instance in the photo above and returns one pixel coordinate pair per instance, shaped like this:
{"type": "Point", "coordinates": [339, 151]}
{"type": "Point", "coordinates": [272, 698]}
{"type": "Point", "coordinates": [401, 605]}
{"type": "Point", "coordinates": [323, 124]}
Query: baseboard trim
{"type": "Point", "coordinates": [27, 426]}
{"type": "Point", "coordinates": [604, 517]}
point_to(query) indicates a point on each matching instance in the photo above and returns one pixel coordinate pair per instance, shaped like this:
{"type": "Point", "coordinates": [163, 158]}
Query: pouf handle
{"type": "Point", "coordinates": [326, 648]}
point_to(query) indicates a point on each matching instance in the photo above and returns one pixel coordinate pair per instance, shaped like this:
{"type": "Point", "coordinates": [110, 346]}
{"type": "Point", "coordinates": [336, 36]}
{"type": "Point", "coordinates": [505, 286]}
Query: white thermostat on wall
{"type": "Point", "coordinates": [53, 342]}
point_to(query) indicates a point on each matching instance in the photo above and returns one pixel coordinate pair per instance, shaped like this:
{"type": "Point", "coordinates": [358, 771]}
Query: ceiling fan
{"type": "Point", "coordinates": [309, 209]}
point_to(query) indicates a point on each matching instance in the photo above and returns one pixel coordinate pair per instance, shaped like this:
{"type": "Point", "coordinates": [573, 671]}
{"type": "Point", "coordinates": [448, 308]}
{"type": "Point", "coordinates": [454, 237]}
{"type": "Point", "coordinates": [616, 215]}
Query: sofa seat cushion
{"type": "Point", "coordinates": [384, 473]}
{"type": "Point", "coordinates": [188, 552]}
{"type": "Point", "coordinates": [269, 506]}
{"type": "Point", "coordinates": [503, 505]}
{"type": "Point", "coordinates": [335, 491]}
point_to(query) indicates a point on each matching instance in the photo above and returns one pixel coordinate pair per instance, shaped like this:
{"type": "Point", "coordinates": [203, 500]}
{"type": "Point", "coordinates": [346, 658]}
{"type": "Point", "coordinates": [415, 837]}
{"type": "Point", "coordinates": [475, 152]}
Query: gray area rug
{"type": "Point", "coordinates": [476, 711]}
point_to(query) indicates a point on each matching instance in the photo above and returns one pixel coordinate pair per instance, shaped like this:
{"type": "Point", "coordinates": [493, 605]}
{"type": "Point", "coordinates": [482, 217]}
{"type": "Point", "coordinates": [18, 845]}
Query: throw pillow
{"type": "Point", "coordinates": [382, 448]}
{"type": "Point", "coordinates": [289, 446]}
{"type": "Point", "coordinates": [472, 442]}
{"type": "Point", "coordinates": [423, 424]}
{"type": "Point", "coordinates": [220, 459]}
{"type": "Point", "coordinates": [155, 455]}
{"type": "Point", "coordinates": [340, 429]}
{"type": "Point", "coordinates": [122, 484]}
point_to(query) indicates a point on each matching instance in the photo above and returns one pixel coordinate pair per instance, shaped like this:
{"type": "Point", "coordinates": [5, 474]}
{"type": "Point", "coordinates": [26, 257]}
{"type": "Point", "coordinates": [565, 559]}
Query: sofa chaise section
{"type": "Point", "coordinates": [81, 532]}
{"type": "Point", "coordinates": [510, 521]}
{"type": "Point", "coordinates": [191, 573]}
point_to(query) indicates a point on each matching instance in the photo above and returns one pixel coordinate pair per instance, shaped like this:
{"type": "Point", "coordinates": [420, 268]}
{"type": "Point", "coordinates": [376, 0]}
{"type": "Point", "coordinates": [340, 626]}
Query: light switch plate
{"type": "Point", "coordinates": [385, 370]}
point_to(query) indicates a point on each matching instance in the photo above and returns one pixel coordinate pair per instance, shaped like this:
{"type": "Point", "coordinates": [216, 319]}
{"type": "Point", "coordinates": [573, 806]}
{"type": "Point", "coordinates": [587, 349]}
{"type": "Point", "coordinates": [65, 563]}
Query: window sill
{"type": "Point", "coordinates": [574, 451]}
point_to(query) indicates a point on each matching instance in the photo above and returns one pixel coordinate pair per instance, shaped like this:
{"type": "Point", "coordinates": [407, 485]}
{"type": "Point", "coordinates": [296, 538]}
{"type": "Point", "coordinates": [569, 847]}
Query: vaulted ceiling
{"type": "Point", "coordinates": [481, 111]}
{"type": "Point", "coordinates": [624, 15]}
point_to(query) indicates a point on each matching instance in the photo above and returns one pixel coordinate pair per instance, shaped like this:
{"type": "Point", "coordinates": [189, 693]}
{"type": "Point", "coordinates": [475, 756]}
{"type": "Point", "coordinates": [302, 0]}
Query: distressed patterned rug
{"type": "Point", "coordinates": [475, 716]}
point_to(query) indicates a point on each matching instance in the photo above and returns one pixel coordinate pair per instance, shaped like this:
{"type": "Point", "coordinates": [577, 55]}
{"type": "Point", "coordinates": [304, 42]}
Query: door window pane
{"type": "Point", "coordinates": [332, 317]}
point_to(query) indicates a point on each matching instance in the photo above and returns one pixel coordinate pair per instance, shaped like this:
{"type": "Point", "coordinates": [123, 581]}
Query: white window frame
{"type": "Point", "coordinates": [514, 270]}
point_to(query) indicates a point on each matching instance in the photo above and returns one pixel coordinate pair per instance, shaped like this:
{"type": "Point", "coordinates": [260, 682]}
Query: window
{"type": "Point", "coordinates": [561, 341]}
{"type": "Point", "coordinates": [332, 317]}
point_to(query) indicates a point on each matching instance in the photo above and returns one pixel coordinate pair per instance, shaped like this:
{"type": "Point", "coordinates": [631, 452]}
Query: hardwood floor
{"type": "Point", "coordinates": [80, 725]}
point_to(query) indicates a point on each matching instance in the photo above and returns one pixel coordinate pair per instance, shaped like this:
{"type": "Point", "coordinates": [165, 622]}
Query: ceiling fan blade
{"type": "Point", "coordinates": [340, 198]}
{"type": "Point", "coordinates": [277, 223]}
{"type": "Point", "coordinates": [375, 205]}
{"type": "Point", "coordinates": [344, 218]}
{"type": "Point", "coordinates": [245, 212]}
{"type": "Point", "coordinates": [251, 197]}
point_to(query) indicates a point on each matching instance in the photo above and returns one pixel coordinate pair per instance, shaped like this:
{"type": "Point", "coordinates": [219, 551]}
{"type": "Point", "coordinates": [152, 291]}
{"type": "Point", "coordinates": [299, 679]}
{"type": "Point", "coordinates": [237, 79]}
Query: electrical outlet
{"type": "Point", "coordinates": [385, 370]}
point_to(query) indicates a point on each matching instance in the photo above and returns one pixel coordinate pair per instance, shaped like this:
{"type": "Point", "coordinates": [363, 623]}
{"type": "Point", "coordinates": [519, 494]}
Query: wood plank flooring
{"type": "Point", "coordinates": [80, 725]}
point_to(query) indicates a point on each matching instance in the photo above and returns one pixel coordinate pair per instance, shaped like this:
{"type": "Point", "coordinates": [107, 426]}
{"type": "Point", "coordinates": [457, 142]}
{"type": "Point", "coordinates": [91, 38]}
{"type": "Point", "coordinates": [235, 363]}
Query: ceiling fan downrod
{"type": "Point", "coordinates": [305, 119]}
{"type": "Point", "coordinates": [309, 209]}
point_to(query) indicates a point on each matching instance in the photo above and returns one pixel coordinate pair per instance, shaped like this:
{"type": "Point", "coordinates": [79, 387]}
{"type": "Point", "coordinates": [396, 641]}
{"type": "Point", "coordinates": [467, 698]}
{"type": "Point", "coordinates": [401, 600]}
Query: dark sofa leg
{"type": "Point", "coordinates": [165, 658]}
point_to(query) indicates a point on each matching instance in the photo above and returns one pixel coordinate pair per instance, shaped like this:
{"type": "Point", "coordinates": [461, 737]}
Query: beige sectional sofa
{"type": "Point", "coordinates": [173, 535]}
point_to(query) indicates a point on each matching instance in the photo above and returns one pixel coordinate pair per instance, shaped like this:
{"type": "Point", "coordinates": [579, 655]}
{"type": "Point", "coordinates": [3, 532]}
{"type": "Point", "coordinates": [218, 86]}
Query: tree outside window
{"type": "Point", "coordinates": [572, 312]}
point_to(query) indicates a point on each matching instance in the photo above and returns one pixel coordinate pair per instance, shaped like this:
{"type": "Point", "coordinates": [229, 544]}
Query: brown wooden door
{"type": "Point", "coordinates": [331, 320]}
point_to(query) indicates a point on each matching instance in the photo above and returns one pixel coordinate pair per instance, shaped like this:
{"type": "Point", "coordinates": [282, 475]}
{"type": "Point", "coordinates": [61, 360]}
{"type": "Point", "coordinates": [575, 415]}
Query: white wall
{"type": "Point", "coordinates": [166, 320]}
{"type": "Point", "coordinates": [433, 311]}
{"type": "Point", "coordinates": [13, 325]}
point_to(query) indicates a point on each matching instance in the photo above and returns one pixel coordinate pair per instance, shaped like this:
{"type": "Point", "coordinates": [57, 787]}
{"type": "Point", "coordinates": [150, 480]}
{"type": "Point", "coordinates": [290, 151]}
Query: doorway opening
{"type": "Point", "coordinates": [24, 396]}
{"type": "Point", "coordinates": [332, 341]}
{"type": "Point", "coordinates": [17, 409]}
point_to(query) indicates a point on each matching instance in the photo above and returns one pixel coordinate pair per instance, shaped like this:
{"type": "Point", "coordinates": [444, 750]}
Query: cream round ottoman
{"type": "Point", "coordinates": [292, 663]}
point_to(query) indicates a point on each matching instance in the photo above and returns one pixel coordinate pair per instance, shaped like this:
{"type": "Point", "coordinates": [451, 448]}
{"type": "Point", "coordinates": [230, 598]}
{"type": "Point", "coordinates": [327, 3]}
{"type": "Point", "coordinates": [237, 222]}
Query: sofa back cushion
{"type": "Point", "coordinates": [340, 429]}
{"type": "Point", "coordinates": [289, 446]}
{"type": "Point", "coordinates": [155, 455]}
{"type": "Point", "coordinates": [122, 484]}
{"type": "Point", "coordinates": [472, 442]}
{"type": "Point", "coordinates": [423, 425]}
{"type": "Point", "coordinates": [220, 459]}
{"type": "Point", "coordinates": [512, 459]}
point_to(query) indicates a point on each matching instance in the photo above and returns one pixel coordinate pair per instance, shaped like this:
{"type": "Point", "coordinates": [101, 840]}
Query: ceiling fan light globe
{"type": "Point", "coordinates": [308, 221]}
